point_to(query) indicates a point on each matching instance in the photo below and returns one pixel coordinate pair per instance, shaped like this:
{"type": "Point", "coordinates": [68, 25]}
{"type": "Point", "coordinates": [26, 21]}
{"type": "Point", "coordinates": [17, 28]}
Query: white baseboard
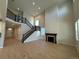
{"type": "Point", "coordinates": [67, 44]}
{"type": "Point", "coordinates": [77, 46]}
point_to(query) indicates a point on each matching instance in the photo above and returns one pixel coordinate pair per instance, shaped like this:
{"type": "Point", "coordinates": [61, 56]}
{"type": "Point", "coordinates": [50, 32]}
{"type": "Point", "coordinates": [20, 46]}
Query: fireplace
{"type": "Point", "coordinates": [51, 37]}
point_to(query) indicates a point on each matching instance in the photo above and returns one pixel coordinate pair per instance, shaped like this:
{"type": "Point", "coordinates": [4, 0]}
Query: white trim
{"type": "Point", "coordinates": [10, 20]}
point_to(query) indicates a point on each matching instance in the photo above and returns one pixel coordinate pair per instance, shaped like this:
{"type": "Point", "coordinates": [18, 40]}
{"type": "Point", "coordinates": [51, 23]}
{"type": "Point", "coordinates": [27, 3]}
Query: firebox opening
{"type": "Point", "coordinates": [51, 39]}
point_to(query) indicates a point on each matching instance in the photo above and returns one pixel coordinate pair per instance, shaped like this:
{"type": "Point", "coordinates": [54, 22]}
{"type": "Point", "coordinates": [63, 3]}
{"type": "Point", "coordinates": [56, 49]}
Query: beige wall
{"type": "Point", "coordinates": [59, 20]}
{"type": "Point", "coordinates": [2, 31]}
{"type": "Point", "coordinates": [17, 33]}
{"type": "Point", "coordinates": [31, 20]}
{"type": "Point", "coordinates": [3, 9]}
{"type": "Point", "coordinates": [76, 9]}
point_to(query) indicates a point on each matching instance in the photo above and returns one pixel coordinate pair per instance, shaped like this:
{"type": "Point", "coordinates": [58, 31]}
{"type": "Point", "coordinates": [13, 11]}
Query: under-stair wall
{"type": "Point", "coordinates": [24, 28]}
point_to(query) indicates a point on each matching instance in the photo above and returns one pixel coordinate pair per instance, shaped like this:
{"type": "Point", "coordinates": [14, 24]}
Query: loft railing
{"type": "Point", "coordinates": [17, 18]}
{"type": "Point", "coordinates": [11, 15]}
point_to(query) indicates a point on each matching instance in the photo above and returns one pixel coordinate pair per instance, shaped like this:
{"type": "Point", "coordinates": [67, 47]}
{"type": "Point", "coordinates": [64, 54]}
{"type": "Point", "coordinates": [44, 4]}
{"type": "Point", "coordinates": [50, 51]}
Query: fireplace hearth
{"type": "Point", "coordinates": [51, 37]}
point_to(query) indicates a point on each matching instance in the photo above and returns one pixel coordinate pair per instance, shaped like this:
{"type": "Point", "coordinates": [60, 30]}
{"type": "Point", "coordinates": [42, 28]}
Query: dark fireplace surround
{"type": "Point", "coordinates": [51, 37]}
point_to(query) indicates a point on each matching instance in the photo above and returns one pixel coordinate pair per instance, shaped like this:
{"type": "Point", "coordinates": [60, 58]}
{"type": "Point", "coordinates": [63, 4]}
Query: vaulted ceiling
{"type": "Point", "coordinates": [30, 9]}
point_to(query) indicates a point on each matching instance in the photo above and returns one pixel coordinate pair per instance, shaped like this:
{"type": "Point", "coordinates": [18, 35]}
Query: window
{"type": "Point", "coordinates": [77, 29]}
{"type": "Point", "coordinates": [37, 22]}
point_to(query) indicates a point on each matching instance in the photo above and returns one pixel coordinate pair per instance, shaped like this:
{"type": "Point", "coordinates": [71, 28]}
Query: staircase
{"type": "Point", "coordinates": [27, 34]}
{"type": "Point", "coordinates": [20, 19]}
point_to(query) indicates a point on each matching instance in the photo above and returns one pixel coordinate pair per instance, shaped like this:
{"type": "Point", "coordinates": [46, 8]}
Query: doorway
{"type": "Point", "coordinates": [37, 26]}
{"type": "Point", "coordinates": [12, 33]}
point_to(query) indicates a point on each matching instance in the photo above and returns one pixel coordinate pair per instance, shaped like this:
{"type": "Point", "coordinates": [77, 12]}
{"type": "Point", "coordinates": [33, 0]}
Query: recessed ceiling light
{"type": "Point", "coordinates": [39, 8]}
{"type": "Point", "coordinates": [10, 29]}
{"type": "Point", "coordinates": [73, 1]}
{"type": "Point", "coordinates": [33, 3]}
{"type": "Point", "coordinates": [18, 8]}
